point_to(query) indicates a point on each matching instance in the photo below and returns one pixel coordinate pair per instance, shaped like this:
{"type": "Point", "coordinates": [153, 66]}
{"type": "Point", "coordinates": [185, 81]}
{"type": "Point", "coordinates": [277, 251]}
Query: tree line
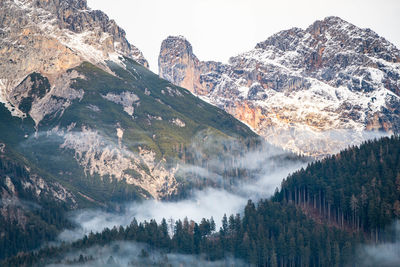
{"type": "Point", "coordinates": [319, 217]}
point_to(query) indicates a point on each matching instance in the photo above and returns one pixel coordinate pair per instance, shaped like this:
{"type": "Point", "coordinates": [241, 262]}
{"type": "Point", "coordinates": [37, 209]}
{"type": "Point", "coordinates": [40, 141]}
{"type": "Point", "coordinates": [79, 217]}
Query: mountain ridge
{"type": "Point", "coordinates": [84, 123]}
{"type": "Point", "coordinates": [312, 91]}
{"type": "Point", "coordinates": [50, 37]}
{"type": "Point", "coordinates": [78, 102]}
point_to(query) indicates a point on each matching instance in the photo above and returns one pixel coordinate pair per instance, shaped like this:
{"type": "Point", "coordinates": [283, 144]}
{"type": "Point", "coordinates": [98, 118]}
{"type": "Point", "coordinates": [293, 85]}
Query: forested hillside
{"type": "Point", "coordinates": [32, 210]}
{"type": "Point", "coordinates": [319, 217]}
{"type": "Point", "coordinates": [271, 234]}
{"type": "Point", "coordinates": [359, 188]}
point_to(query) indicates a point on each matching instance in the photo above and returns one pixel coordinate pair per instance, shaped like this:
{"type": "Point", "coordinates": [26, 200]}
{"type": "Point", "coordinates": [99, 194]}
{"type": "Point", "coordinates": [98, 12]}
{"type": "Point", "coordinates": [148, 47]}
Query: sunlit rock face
{"type": "Point", "coordinates": [78, 103]}
{"type": "Point", "coordinates": [52, 36]}
{"type": "Point", "coordinates": [41, 42]}
{"type": "Point", "coordinates": [313, 91]}
{"type": "Point", "coordinates": [178, 52]}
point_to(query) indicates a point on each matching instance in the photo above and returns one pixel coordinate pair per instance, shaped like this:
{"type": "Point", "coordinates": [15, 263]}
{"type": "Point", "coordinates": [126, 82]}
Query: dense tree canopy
{"type": "Point", "coordinates": [318, 217]}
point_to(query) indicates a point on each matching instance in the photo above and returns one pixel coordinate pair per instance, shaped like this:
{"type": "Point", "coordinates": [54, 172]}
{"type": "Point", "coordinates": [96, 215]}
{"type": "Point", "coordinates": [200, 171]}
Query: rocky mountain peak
{"type": "Point", "coordinates": [312, 90]}
{"type": "Point", "coordinates": [51, 36]}
{"type": "Point", "coordinates": [69, 21]}
{"type": "Point", "coordinates": [178, 50]}
{"type": "Point", "coordinates": [329, 21]}
{"type": "Point", "coordinates": [178, 43]}
{"type": "Point", "coordinates": [283, 40]}
{"type": "Point", "coordinates": [77, 17]}
{"type": "Point", "coordinates": [61, 4]}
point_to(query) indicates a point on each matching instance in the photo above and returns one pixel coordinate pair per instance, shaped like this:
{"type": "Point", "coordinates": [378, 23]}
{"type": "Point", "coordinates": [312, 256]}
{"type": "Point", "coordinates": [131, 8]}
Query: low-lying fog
{"type": "Point", "coordinates": [270, 165]}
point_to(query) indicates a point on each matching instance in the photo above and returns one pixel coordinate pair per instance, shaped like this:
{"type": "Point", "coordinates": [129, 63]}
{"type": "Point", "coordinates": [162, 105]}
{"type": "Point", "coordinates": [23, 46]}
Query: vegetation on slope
{"type": "Point", "coordinates": [31, 150]}
{"type": "Point", "coordinates": [287, 230]}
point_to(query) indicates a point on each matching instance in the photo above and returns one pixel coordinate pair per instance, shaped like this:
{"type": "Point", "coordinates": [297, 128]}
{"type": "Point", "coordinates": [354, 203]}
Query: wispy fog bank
{"type": "Point", "coordinates": [121, 254]}
{"type": "Point", "coordinates": [386, 254]}
{"type": "Point", "coordinates": [270, 165]}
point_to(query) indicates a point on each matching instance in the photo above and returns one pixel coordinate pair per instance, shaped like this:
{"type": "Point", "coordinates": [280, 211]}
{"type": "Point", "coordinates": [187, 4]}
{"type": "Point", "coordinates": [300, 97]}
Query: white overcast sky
{"type": "Point", "coordinates": [219, 29]}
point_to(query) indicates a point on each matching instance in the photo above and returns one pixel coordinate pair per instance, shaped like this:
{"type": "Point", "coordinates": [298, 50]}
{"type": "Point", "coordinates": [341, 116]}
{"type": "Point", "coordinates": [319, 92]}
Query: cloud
{"type": "Point", "coordinates": [188, 170]}
{"type": "Point", "coordinates": [121, 254]}
{"type": "Point", "coordinates": [268, 165]}
{"type": "Point", "coordinates": [16, 202]}
{"type": "Point", "coordinates": [204, 204]}
{"type": "Point", "coordinates": [386, 254]}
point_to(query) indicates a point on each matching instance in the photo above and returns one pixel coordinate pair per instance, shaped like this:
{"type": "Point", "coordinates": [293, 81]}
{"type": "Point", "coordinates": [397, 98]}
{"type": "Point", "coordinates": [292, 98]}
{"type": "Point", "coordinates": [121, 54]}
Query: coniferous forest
{"type": "Point", "coordinates": [320, 216]}
{"type": "Point", "coordinates": [255, 145]}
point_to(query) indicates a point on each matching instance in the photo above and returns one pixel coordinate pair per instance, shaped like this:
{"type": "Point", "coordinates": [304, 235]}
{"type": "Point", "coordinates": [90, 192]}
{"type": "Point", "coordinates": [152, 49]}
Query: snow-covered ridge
{"type": "Point", "coordinates": [300, 88]}
{"type": "Point", "coordinates": [92, 40]}
{"type": "Point", "coordinates": [49, 37]}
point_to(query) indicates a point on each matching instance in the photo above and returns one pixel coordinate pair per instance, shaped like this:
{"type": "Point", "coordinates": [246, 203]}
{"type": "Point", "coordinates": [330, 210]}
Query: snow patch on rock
{"type": "Point", "coordinates": [300, 89]}
{"type": "Point", "coordinates": [10, 184]}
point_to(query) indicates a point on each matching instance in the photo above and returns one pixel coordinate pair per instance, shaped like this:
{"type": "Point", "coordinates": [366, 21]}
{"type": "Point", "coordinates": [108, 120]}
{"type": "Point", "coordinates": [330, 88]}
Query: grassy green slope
{"type": "Point", "coordinates": [39, 151]}
{"type": "Point", "coordinates": [161, 135]}
{"type": "Point", "coordinates": [157, 99]}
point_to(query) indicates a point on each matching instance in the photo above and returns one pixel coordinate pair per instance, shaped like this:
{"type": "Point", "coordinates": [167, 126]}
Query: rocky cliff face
{"type": "Point", "coordinates": [312, 91]}
{"type": "Point", "coordinates": [84, 123]}
{"type": "Point", "coordinates": [185, 72]}
{"type": "Point", "coordinates": [77, 100]}
{"type": "Point", "coordinates": [51, 36]}
{"type": "Point", "coordinates": [178, 63]}
{"type": "Point", "coordinates": [41, 40]}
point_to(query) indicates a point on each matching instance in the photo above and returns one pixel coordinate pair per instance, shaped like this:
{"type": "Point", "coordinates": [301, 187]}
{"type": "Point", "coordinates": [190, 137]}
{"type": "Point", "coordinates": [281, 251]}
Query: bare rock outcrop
{"type": "Point", "coordinates": [313, 91]}
{"type": "Point", "coordinates": [49, 37]}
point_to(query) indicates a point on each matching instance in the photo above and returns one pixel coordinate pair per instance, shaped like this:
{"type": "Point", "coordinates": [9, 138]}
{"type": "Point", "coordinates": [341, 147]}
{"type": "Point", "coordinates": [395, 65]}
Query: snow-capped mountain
{"type": "Point", "coordinates": [313, 91]}
{"type": "Point", "coordinates": [78, 104]}
{"type": "Point", "coordinates": [50, 37]}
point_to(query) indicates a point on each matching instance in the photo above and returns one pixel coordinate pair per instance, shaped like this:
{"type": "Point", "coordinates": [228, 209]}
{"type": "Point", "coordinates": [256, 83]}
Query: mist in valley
{"type": "Point", "coordinates": [267, 166]}
{"type": "Point", "coordinates": [383, 253]}
{"type": "Point", "coordinates": [119, 254]}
